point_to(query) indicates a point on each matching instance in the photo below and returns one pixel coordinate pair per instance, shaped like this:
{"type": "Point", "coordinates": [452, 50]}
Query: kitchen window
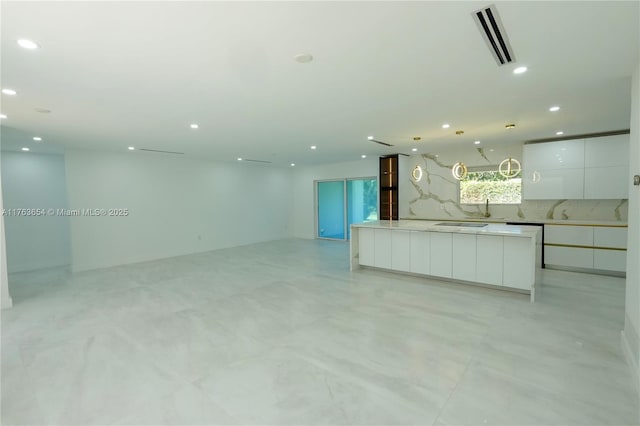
{"type": "Point", "coordinates": [486, 183]}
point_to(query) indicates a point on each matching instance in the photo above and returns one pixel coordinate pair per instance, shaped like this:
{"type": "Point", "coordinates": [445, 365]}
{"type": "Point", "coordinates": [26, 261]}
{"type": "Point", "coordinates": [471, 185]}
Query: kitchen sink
{"type": "Point", "coordinates": [463, 224]}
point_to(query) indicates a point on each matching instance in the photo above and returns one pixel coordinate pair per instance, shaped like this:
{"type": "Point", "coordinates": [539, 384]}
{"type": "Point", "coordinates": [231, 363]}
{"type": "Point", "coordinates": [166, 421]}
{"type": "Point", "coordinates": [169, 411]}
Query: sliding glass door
{"type": "Point", "coordinates": [343, 202]}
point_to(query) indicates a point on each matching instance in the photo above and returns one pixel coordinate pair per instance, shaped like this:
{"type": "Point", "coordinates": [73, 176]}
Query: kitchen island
{"type": "Point", "coordinates": [506, 257]}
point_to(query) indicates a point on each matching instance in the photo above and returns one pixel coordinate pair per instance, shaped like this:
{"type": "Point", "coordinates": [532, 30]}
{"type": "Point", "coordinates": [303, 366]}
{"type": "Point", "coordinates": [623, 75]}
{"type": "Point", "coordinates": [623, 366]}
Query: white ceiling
{"type": "Point", "coordinates": [116, 74]}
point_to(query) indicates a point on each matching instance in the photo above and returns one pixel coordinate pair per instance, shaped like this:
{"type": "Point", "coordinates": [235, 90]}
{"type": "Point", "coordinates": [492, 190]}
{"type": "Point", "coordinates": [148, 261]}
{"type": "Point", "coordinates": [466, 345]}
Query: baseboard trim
{"type": "Point", "coordinates": [633, 365]}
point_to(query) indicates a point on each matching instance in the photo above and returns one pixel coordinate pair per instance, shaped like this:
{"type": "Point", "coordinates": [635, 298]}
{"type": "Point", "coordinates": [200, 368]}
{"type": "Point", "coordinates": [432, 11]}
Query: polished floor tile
{"type": "Point", "coordinates": [283, 333]}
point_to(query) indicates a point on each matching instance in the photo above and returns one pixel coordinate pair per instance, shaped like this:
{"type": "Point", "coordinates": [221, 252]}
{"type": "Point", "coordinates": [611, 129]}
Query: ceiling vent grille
{"type": "Point", "coordinates": [161, 151]}
{"type": "Point", "coordinates": [380, 142]}
{"type": "Point", "coordinates": [490, 25]}
{"type": "Point", "coordinates": [256, 161]}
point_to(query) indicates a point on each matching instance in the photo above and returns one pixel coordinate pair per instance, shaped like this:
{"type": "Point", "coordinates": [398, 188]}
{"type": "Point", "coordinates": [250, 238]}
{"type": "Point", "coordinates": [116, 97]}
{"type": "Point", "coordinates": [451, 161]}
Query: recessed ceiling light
{"type": "Point", "coordinates": [414, 149]}
{"type": "Point", "coordinates": [313, 147]}
{"type": "Point", "coordinates": [477, 142]}
{"type": "Point", "coordinates": [25, 149]}
{"type": "Point", "coordinates": [239, 158]}
{"type": "Point", "coordinates": [520, 70]}
{"type": "Point", "coordinates": [9, 92]}
{"type": "Point", "coordinates": [293, 164]}
{"type": "Point", "coordinates": [131, 148]}
{"type": "Point", "coordinates": [363, 156]}
{"type": "Point", "coordinates": [445, 126]}
{"type": "Point", "coordinates": [491, 150]}
{"type": "Point", "coordinates": [303, 58]}
{"type": "Point", "coordinates": [3, 116]}
{"type": "Point", "coordinates": [560, 133]}
{"type": "Point", "coordinates": [554, 108]}
{"type": "Point", "coordinates": [194, 126]}
{"type": "Point", "coordinates": [37, 138]}
{"type": "Point", "coordinates": [27, 44]}
{"type": "Point", "coordinates": [370, 138]}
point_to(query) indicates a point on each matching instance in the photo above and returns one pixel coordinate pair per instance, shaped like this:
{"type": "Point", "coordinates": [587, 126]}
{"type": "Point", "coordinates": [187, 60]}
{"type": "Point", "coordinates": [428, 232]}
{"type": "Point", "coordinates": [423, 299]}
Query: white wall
{"type": "Point", "coordinates": [177, 206]}
{"type": "Point", "coordinates": [5, 298]}
{"type": "Point", "coordinates": [632, 299]}
{"type": "Point", "coordinates": [304, 191]}
{"type": "Point", "coordinates": [35, 181]}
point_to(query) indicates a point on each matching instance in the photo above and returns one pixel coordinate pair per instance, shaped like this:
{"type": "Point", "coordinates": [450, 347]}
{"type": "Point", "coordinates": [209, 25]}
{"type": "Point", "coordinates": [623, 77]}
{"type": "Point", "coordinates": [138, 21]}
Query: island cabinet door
{"type": "Point", "coordinates": [519, 263]}
{"type": "Point", "coordinates": [489, 259]}
{"type": "Point", "coordinates": [420, 252]}
{"type": "Point", "coordinates": [440, 253]}
{"type": "Point", "coordinates": [464, 257]}
{"type": "Point", "coordinates": [366, 246]}
{"type": "Point", "coordinates": [401, 250]}
{"type": "Point", "coordinates": [382, 255]}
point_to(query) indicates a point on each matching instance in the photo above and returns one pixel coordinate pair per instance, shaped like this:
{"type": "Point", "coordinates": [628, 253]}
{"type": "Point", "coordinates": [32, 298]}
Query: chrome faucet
{"type": "Point", "coordinates": [486, 209]}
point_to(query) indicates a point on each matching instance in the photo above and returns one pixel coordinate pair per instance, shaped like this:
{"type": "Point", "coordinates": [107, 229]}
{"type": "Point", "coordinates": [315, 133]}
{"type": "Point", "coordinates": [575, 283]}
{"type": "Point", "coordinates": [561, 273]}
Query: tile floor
{"type": "Point", "coordinates": [282, 333]}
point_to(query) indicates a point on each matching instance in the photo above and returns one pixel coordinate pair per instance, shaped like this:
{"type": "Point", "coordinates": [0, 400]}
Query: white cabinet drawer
{"type": "Point", "coordinates": [610, 237]}
{"type": "Point", "coordinates": [400, 250]}
{"type": "Point", "coordinates": [610, 260]}
{"type": "Point", "coordinates": [573, 257]}
{"type": "Point", "coordinates": [563, 234]}
{"type": "Point", "coordinates": [606, 183]}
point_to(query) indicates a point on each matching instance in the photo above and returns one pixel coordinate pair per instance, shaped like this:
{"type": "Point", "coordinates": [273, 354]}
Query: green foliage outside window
{"type": "Point", "coordinates": [479, 186]}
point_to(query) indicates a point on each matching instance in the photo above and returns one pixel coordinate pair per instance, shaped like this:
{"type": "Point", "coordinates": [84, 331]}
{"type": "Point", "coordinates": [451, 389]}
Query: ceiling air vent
{"type": "Point", "coordinates": [494, 35]}
{"type": "Point", "coordinates": [256, 161]}
{"type": "Point", "coordinates": [380, 142]}
{"type": "Point", "coordinates": [160, 151]}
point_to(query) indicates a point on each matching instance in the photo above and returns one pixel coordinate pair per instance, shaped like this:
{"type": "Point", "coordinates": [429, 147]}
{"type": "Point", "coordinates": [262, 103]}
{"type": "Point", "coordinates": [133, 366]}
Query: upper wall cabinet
{"type": "Point", "coordinates": [592, 168]}
{"type": "Point", "coordinates": [606, 167]}
{"type": "Point", "coordinates": [553, 170]}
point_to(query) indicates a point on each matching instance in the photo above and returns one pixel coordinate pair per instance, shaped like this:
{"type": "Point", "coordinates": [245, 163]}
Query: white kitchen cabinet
{"type": "Point", "coordinates": [553, 184]}
{"type": "Point", "coordinates": [610, 260]}
{"type": "Point", "coordinates": [420, 252]}
{"type": "Point", "coordinates": [382, 252]}
{"type": "Point", "coordinates": [606, 182]}
{"type": "Point", "coordinates": [607, 151]}
{"type": "Point", "coordinates": [464, 257]}
{"type": "Point", "coordinates": [519, 270]}
{"type": "Point", "coordinates": [567, 234]}
{"type": "Point", "coordinates": [586, 247]}
{"type": "Point", "coordinates": [440, 254]}
{"type": "Point", "coordinates": [489, 259]}
{"type": "Point", "coordinates": [610, 237]}
{"type": "Point", "coordinates": [554, 155]}
{"type": "Point", "coordinates": [573, 257]}
{"type": "Point", "coordinates": [592, 168]}
{"type": "Point", "coordinates": [401, 250]}
{"type": "Point", "coordinates": [366, 246]}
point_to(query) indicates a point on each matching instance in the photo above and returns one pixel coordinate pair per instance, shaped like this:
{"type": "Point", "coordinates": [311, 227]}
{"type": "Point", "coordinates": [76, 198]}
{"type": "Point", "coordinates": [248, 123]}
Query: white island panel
{"type": "Point", "coordinates": [489, 260]}
{"type": "Point", "coordinates": [441, 254]}
{"type": "Point", "coordinates": [420, 252]}
{"type": "Point", "coordinates": [401, 250]}
{"type": "Point", "coordinates": [464, 257]}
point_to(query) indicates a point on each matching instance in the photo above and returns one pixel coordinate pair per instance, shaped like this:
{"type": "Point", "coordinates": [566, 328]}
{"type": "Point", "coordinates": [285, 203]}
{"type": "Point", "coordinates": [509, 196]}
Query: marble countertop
{"type": "Point", "coordinates": [499, 220]}
{"type": "Point", "coordinates": [432, 226]}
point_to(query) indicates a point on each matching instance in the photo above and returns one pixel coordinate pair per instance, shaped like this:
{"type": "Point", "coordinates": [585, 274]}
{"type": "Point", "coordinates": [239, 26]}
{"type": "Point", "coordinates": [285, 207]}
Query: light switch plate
{"type": "Point", "coordinates": [636, 180]}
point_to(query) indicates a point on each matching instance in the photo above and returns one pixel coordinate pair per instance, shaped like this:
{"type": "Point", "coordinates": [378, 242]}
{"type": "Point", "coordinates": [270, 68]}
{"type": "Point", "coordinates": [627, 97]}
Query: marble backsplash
{"type": "Point", "coordinates": [436, 195]}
